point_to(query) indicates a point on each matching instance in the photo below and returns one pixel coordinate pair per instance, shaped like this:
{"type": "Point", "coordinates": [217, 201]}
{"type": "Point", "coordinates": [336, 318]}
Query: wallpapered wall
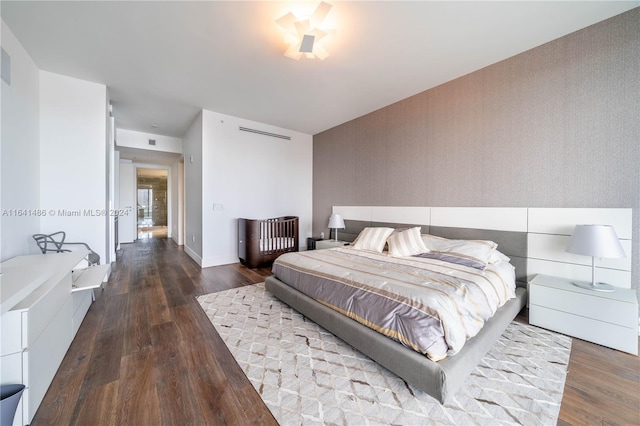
{"type": "Point", "coordinates": [556, 126]}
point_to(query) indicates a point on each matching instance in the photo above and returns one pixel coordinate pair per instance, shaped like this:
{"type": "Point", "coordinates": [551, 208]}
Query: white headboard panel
{"type": "Point", "coordinates": [417, 215]}
{"type": "Point", "coordinates": [562, 221]}
{"type": "Point", "coordinates": [498, 218]}
{"type": "Point", "coordinates": [353, 212]}
{"type": "Point", "coordinates": [551, 247]}
{"type": "Point", "coordinates": [548, 229]}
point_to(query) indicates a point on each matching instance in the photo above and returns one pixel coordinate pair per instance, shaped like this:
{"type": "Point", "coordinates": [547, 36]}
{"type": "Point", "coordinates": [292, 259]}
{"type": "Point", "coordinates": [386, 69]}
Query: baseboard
{"type": "Point", "coordinates": [219, 260]}
{"type": "Point", "coordinates": [192, 254]}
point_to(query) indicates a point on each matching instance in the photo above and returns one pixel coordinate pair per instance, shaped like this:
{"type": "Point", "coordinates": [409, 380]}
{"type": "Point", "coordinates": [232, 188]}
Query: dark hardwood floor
{"type": "Point", "coordinates": [146, 354]}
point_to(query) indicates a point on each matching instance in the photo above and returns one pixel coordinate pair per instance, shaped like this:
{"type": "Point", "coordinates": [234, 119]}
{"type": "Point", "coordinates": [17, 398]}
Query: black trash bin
{"type": "Point", "coordinates": [10, 396]}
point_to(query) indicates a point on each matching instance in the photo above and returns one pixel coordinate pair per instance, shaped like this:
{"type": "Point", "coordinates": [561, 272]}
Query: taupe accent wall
{"type": "Point", "coordinates": [556, 126]}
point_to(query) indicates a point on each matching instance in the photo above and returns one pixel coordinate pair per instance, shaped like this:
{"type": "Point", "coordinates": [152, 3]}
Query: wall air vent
{"type": "Point", "coordinates": [260, 132]}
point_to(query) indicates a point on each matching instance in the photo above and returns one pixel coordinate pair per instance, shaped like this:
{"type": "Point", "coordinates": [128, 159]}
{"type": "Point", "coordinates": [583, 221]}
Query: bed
{"type": "Point", "coordinates": [261, 241]}
{"type": "Point", "coordinates": [437, 371]}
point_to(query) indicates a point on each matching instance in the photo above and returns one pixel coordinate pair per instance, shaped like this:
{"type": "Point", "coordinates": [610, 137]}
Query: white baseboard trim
{"type": "Point", "coordinates": [192, 254]}
{"type": "Point", "coordinates": [219, 260]}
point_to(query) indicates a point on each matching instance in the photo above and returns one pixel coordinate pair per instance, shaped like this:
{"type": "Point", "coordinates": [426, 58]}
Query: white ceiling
{"type": "Point", "coordinates": [164, 61]}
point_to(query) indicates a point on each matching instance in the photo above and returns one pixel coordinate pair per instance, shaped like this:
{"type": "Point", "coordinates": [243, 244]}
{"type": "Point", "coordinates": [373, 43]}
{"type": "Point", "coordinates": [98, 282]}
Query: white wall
{"type": "Point", "coordinates": [133, 139]}
{"type": "Point", "coordinates": [111, 182]}
{"type": "Point", "coordinates": [127, 201]}
{"type": "Point", "coordinates": [177, 202]}
{"type": "Point", "coordinates": [73, 158]}
{"type": "Point", "coordinates": [19, 150]}
{"type": "Point", "coordinates": [252, 176]}
{"type": "Point", "coordinates": [192, 147]}
{"type": "Point", "coordinates": [116, 192]}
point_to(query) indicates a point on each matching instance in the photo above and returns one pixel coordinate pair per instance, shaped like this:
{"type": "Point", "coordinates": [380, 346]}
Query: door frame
{"type": "Point", "coordinates": [169, 193]}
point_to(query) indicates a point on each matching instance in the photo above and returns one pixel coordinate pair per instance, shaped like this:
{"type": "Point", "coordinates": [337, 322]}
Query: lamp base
{"type": "Point", "coordinates": [607, 288]}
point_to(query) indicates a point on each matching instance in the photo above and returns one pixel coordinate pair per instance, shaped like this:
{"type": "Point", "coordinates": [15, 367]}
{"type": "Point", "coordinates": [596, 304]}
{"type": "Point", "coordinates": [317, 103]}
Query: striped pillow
{"type": "Point", "coordinates": [372, 239]}
{"type": "Point", "coordinates": [406, 243]}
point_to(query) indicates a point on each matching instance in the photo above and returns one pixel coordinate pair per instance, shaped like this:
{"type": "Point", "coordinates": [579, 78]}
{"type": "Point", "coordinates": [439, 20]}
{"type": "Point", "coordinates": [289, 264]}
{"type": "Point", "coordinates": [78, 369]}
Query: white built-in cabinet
{"type": "Point", "coordinates": [43, 304]}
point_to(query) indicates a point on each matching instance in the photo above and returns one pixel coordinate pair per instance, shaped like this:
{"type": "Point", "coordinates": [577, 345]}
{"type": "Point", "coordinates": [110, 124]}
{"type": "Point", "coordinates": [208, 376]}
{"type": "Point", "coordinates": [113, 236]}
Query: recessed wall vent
{"type": "Point", "coordinates": [152, 141]}
{"type": "Point", "coordinates": [260, 132]}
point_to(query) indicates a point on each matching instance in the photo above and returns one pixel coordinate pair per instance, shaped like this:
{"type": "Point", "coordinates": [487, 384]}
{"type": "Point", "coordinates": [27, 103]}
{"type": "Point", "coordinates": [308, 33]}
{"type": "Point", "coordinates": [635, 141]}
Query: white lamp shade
{"type": "Point", "coordinates": [596, 241]}
{"type": "Point", "coordinates": [336, 221]}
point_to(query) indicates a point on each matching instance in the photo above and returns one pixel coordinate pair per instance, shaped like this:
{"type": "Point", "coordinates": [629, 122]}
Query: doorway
{"type": "Point", "coordinates": [151, 197]}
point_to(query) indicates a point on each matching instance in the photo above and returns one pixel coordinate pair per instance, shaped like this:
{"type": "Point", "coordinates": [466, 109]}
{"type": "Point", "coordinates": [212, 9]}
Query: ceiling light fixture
{"type": "Point", "coordinates": [305, 36]}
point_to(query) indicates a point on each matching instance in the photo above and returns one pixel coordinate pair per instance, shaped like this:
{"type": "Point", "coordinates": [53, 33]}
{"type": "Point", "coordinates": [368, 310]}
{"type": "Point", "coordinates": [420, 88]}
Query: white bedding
{"type": "Point", "coordinates": [430, 305]}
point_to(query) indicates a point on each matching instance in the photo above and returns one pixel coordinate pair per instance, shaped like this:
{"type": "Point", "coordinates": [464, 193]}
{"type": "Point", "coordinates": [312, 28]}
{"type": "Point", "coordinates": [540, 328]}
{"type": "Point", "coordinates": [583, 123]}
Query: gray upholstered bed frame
{"type": "Point", "coordinates": [438, 379]}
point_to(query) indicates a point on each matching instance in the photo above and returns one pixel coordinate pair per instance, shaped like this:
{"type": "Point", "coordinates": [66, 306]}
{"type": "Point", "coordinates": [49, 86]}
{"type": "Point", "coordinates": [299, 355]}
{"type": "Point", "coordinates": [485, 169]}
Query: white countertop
{"type": "Point", "coordinates": [22, 275]}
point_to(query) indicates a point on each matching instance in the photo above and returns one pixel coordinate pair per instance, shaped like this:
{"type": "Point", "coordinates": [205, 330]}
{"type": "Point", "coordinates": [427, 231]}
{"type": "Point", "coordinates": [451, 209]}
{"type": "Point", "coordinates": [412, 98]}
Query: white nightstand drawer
{"type": "Point", "coordinates": [607, 334]}
{"type": "Point", "coordinates": [590, 306]}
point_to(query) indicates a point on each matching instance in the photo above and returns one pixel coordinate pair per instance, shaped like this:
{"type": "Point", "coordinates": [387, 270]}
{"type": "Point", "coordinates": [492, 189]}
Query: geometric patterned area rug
{"type": "Point", "coordinates": [306, 375]}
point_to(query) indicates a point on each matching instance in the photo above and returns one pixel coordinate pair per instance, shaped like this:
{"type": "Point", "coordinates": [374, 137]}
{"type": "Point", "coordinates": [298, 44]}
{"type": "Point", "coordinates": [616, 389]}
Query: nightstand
{"type": "Point", "coordinates": [311, 242]}
{"type": "Point", "coordinates": [608, 319]}
{"type": "Point", "coordinates": [327, 244]}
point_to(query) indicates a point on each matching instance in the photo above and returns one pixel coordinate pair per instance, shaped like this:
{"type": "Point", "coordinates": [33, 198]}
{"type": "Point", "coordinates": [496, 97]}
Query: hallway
{"type": "Point", "coordinates": [148, 232]}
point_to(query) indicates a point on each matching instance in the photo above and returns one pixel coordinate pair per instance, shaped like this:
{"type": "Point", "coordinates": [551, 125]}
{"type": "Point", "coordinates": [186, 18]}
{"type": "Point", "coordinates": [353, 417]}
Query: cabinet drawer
{"type": "Point", "coordinates": [594, 307]}
{"type": "Point", "coordinates": [40, 313]}
{"type": "Point", "coordinates": [45, 355]}
{"type": "Point", "coordinates": [11, 332]}
{"type": "Point", "coordinates": [11, 368]}
{"type": "Point", "coordinates": [81, 303]}
{"type": "Point", "coordinates": [603, 333]}
{"type": "Point", "coordinates": [11, 373]}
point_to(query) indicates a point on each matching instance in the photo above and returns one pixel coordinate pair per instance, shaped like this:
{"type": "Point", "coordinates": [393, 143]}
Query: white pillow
{"type": "Point", "coordinates": [498, 256]}
{"type": "Point", "coordinates": [406, 243]}
{"type": "Point", "coordinates": [473, 253]}
{"type": "Point", "coordinates": [372, 239]}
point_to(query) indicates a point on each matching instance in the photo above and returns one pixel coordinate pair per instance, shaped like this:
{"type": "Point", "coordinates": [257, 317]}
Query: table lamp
{"type": "Point", "coordinates": [336, 221]}
{"type": "Point", "coordinates": [595, 241]}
